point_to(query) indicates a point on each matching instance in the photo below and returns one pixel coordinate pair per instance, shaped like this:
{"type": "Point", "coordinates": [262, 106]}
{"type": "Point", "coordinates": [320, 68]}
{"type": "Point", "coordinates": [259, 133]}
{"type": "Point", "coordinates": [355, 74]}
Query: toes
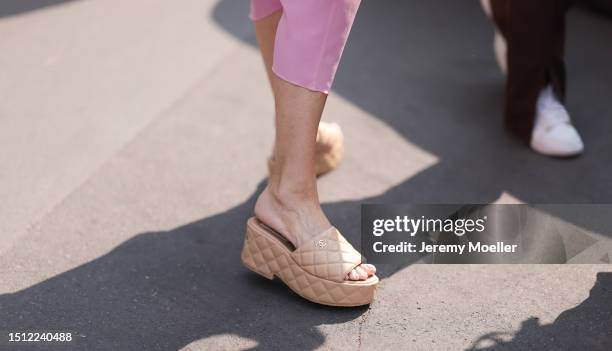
{"type": "Point", "coordinates": [370, 268]}
{"type": "Point", "coordinates": [363, 275]}
{"type": "Point", "coordinates": [361, 272]}
{"type": "Point", "coordinates": [353, 275]}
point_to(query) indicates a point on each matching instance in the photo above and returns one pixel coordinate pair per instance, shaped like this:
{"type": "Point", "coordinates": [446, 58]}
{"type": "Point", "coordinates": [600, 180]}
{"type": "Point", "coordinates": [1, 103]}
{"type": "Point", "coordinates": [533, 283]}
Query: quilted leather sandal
{"type": "Point", "coordinates": [316, 270]}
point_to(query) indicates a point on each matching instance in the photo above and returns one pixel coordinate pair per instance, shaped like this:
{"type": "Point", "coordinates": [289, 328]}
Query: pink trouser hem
{"type": "Point", "coordinates": [305, 85]}
{"type": "Point", "coordinates": [310, 38]}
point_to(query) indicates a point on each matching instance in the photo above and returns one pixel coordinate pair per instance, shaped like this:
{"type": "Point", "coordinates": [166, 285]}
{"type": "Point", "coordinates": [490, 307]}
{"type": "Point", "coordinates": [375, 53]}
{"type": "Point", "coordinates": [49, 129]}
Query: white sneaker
{"type": "Point", "coordinates": [553, 133]}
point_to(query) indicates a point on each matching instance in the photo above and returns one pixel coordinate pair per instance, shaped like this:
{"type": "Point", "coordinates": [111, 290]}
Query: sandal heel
{"type": "Point", "coordinates": [253, 256]}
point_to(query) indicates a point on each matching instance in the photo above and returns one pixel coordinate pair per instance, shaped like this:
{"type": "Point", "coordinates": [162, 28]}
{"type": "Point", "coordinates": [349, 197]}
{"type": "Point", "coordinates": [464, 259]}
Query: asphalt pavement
{"type": "Point", "coordinates": [133, 140]}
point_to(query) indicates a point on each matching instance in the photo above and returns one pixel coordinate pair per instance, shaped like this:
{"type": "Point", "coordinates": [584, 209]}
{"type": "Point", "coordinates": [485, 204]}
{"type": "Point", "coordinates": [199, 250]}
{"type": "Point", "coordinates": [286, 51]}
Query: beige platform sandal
{"type": "Point", "coordinates": [316, 270]}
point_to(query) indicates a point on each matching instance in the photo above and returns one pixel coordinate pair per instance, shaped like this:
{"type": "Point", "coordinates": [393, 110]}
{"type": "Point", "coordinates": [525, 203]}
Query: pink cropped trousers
{"type": "Point", "coordinates": [310, 38]}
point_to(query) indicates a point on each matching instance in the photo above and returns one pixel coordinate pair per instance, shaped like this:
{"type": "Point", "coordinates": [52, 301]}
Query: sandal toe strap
{"type": "Point", "coordinates": [328, 256]}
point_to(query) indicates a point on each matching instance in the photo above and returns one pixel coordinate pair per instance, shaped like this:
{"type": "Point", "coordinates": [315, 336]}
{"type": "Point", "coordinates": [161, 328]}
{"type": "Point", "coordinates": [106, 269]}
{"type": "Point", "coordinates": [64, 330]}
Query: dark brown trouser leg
{"type": "Point", "coordinates": [535, 33]}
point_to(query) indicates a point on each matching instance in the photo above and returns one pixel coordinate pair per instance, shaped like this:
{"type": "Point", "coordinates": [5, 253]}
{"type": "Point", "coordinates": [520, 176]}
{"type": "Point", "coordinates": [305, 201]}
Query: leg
{"type": "Point", "coordinates": [535, 88]}
{"type": "Point", "coordinates": [329, 135]}
{"type": "Point", "coordinates": [499, 43]}
{"type": "Point", "coordinates": [265, 32]}
{"type": "Point", "coordinates": [290, 202]}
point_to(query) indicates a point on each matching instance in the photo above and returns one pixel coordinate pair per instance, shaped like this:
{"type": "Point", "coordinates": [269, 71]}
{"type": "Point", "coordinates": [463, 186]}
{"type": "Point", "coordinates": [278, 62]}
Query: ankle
{"type": "Point", "coordinates": [295, 215]}
{"type": "Point", "coordinates": [294, 194]}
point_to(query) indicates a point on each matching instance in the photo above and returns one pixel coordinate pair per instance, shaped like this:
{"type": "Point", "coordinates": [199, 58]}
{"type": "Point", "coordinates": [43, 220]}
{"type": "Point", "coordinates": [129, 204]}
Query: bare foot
{"type": "Point", "coordinates": [298, 218]}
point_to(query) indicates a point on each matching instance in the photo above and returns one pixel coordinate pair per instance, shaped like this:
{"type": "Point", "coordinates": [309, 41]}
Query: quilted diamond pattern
{"type": "Point", "coordinates": [267, 256]}
{"type": "Point", "coordinates": [328, 256]}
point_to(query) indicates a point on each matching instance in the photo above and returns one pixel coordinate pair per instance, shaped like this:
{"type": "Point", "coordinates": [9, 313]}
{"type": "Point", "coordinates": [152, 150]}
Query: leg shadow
{"type": "Point", "coordinates": [164, 290]}
{"type": "Point", "coordinates": [587, 326]}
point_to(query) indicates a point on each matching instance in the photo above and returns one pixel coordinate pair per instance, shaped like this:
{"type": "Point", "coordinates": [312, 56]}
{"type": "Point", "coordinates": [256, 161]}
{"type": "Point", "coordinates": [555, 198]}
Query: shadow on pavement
{"type": "Point", "coordinates": [587, 326]}
{"type": "Point", "coordinates": [16, 7]}
{"type": "Point", "coordinates": [165, 290]}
